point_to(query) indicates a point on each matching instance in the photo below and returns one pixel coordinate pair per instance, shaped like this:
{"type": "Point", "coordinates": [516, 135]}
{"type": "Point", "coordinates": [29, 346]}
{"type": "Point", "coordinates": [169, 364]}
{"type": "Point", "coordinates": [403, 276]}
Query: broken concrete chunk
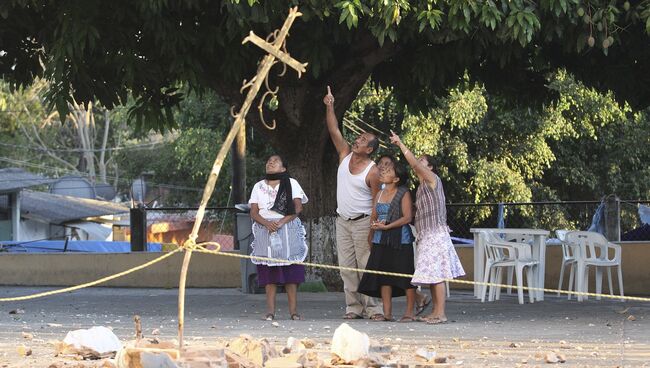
{"type": "Point", "coordinates": [27, 335]}
{"type": "Point", "coordinates": [98, 339]}
{"type": "Point", "coordinates": [308, 343]}
{"type": "Point", "coordinates": [552, 357]}
{"type": "Point", "coordinates": [24, 350]}
{"type": "Point", "coordinates": [257, 351]}
{"type": "Point", "coordinates": [288, 361]}
{"type": "Point", "coordinates": [350, 344]}
{"type": "Point", "coordinates": [137, 357]}
{"type": "Point", "coordinates": [427, 355]}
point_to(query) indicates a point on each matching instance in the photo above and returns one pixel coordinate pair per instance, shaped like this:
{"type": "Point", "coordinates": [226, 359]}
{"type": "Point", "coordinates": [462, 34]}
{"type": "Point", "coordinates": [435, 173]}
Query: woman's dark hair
{"type": "Point", "coordinates": [386, 155]}
{"type": "Point", "coordinates": [284, 162]}
{"type": "Point", "coordinates": [401, 172]}
{"type": "Point", "coordinates": [430, 160]}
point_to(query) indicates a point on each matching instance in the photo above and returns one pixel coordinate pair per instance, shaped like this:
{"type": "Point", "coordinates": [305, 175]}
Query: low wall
{"type": "Point", "coordinates": [215, 271]}
{"type": "Point", "coordinates": [65, 269]}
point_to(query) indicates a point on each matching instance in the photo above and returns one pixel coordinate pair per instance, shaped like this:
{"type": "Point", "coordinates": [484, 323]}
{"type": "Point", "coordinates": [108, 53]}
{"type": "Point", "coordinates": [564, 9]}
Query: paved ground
{"type": "Point", "coordinates": [593, 333]}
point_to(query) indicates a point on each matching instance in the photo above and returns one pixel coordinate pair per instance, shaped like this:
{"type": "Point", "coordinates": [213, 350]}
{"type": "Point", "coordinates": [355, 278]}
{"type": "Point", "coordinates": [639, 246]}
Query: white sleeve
{"type": "Point", "coordinates": [297, 192]}
{"type": "Point", "coordinates": [255, 194]}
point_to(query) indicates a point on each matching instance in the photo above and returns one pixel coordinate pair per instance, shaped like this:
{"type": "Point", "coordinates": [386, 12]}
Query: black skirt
{"type": "Point", "coordinates": [389, 259]}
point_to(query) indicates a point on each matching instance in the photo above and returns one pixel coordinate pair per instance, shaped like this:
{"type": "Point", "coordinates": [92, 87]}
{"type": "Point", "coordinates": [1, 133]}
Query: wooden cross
{"type": "Point", "coordinates": [275, 51]}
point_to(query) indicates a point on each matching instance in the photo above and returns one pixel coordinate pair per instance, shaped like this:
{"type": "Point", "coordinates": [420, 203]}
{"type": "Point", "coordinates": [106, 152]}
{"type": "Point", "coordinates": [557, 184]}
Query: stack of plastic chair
{"type": "Point", "coordinates": [593, 250]}
{"type": "Point", "coordinates": [500, 255]}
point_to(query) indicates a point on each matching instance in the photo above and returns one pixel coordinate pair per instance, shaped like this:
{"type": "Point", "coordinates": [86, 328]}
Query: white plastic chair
{"type": "Point", "coordinates": [568, 259]}
{"type": "Point", "coordinates": [518, 238]}
{"type": "Point", "coordinates": [593, 250]}
{"type": "Point", "coordinates": [500, 254]}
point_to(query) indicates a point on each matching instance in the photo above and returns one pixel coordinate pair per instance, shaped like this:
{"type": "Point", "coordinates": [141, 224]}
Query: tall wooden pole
{"type": "Point", "coordinates": [274, 51]}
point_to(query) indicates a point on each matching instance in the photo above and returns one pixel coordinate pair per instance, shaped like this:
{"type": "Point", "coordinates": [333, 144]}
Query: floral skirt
{"type": "Point", "coordinates": [436, 258]}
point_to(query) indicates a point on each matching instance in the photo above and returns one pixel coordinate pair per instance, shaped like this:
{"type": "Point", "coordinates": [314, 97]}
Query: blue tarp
{"type": "Point", "coordinates": [644, 214]}
{"type": "Point", "coordinates": [57, 246]}
{"type": "Point", "coordinates": [598, 221]}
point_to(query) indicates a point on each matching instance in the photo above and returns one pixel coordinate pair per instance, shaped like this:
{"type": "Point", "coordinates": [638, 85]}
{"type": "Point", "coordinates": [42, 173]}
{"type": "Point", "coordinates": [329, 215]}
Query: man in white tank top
{"type": "Point", "coordinates": [357, 184]}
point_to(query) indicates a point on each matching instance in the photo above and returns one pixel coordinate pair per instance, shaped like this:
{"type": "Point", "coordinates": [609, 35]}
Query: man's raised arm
{"type": "Point", "coordinates": [342, 147]}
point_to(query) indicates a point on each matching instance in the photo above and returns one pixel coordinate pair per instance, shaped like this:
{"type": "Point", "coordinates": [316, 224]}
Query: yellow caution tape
{"type": "Point", "coordinates": [201, 248]}
{"type": "Point", "coordinates": [467, 282]}
{"type": "Point", "coordinates": [91, 283]}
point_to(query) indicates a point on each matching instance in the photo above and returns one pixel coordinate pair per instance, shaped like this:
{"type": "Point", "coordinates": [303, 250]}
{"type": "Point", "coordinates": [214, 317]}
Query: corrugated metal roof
{"type": "Point", "coordinates": [13, 179]}
{"type": "Point", "coordinates": [59, 209]}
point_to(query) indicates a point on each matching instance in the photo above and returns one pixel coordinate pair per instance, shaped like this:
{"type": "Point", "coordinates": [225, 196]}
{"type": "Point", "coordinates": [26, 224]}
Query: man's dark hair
{"type": "Point", "coordinates": [374, 144]}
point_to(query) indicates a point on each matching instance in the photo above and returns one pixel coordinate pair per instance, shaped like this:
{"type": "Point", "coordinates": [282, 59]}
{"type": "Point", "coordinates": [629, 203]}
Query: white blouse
{"type": "Point", "coordinates": [264, 195]}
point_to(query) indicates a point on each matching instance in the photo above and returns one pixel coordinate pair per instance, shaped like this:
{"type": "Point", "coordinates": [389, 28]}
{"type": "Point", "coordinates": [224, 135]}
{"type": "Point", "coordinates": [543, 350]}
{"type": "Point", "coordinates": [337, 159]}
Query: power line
{"type": "Point", "coordinates": [126, 181]}
{"type": "Point", "coordinates": [142, 146]}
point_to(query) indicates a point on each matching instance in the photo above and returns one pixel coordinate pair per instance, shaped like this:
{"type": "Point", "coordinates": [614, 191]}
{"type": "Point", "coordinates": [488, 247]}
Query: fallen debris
{"type": "Point", "coordinates": [138, 327]}
{"type": "Point", "coordinates": [631, 318]}
{"type": "Point", "coordinates": [257, 351]}
{"type": "Point", "coordinates": [427, 355]}
{"type": "Point", "coordinates": [287, 361]}
{"type": "Point", "coordinates": [293, 346]}
{"type": "Point", "coordinates": [17, 311]}
{"type": "Point", "coordinates": [552, 357]}
{"type": "Point", "coordinates": [349, 344]}
{"type": "Point", "coordinates": [24, 351]}
{"type": "Point", "coordinates": [308, 343]}
{"type": "Point", "coordinates": [137, 358]}
{"type": "Point", "coordinates": [94, 343]}
{"type": "Point", "coordinates": [27, 336]}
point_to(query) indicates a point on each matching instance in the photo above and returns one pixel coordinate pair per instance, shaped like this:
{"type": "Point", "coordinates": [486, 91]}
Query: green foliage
{"type": "Point", "coordinates": [603, 148]}
{"type": "Point", "coordinates": [581, 146]}
{"type": "Point", "coordinates": [184, 161]}
{"type": "Point", "coordinates": [105, 50]}
{"type": "Point", "coordinates": [36, 138]}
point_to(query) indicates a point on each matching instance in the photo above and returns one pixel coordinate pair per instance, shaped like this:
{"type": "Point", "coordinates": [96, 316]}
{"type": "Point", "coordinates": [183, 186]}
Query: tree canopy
{"type": "Point", "coordinates": [99, 50]}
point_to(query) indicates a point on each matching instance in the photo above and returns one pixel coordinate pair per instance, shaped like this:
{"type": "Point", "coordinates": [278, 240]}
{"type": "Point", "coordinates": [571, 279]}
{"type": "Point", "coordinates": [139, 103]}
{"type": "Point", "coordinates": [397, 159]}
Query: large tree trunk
{"type": "Point", "coordinates": [302, 137]}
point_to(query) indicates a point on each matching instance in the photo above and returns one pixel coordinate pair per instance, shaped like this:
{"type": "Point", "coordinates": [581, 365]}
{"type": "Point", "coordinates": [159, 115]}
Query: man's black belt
{"type": "Point", "coordinates": [357, 218]}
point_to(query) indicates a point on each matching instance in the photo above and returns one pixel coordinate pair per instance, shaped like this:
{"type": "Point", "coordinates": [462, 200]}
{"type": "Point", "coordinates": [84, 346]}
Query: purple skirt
{"type": "Point", "coordinates": [291, 274]}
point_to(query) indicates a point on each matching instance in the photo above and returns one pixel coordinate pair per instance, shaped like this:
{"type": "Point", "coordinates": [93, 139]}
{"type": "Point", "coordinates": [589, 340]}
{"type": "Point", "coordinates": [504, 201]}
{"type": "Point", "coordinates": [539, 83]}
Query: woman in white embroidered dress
{"type": "Point", "coordinates": [275, 204]}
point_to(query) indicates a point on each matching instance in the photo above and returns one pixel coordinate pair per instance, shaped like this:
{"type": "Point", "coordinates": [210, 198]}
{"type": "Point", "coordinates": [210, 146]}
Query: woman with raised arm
{"type": "Point", "coordinates": [436, 259]}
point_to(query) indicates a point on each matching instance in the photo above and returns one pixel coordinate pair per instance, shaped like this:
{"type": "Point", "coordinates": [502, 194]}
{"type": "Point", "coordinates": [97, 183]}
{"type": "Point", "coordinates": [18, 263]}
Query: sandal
{"type": "Point", "coordinates": [436, 321]}
{"type": "Point", "coordinates": [421, 307]}
{"type": "Point", "coordinates": [351, 315]}
{"type": "Point", "coordinates": [269, 317]}
{"type": "Point", "coordinates": [382, 318]}
{"type": "Point", "coordinates": [406, 319]}
{"type": "Point", "coordinates": [296, 317]}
